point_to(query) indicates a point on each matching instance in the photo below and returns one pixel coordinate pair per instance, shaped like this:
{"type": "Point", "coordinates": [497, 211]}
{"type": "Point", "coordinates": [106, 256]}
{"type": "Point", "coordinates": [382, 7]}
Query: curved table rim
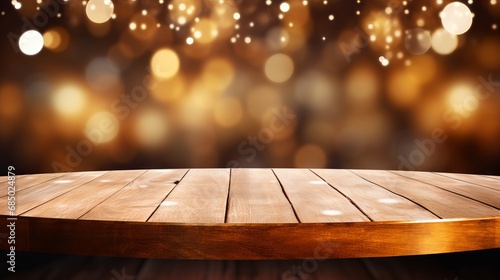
{"type": "Point", "coordinates": [236, 241]}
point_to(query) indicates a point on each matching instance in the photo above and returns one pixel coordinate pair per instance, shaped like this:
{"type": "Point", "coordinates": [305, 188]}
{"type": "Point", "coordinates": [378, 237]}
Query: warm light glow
{"type": "Point", "coordinates": [205, 31]}
{"type": "Point", "coordinates": [102, 127]}
{"type": "Point", "coordinates": [62, 181]}
{"type": "Point", "coordinates": [417, 41]}
{"type": "Point", "coordinates": [228, 112]}
{"type": "Point", "coordinates": [284, 7]}
{"type": "Point", "coordinates": [31, 42]}
{"type": "Point", "coordinates": [169, 203]}
{"type": "Point", "coordinates": [279, 68]}
{"type": "Point", "coordinates": [277, 38]}
{"type": "Point", "coordinates": [262, 99]}
{"type": "Point", "coordinates": [169, 90]}
{"type": "Point", "coordinates": [182, 12]}
{"type": "Point", "coordinates": [388, 200]}
{"type": "Point", "coordinates": [443, 42]}
{"type": "Point", "coordinates": [165, 63]}
{"type": "Point", "coordinates": [403, 88]}
{"type": "Point", "coordinates": [456, 18]}
{"type": "Point", "coordinates": [56, 39]}
{"type": "Point", "coordinates": [218, 73]}
{"type": "Point", "coordinates": [462, 99]}
{"type": "Point", "coordinates": [99, 11]}
{"type": "Point", "coordinates": [331, 212]}
{"type": "Point", "coordinates": [11, 101]}
{"type": "Point", "coordinates": [151, 128]}
{"type": "Point", "coordinates": [317, 182]}
{"type": "Point", "coordinates": [69, 100]}
{"type": "Point", "coordinates": [51, 39]}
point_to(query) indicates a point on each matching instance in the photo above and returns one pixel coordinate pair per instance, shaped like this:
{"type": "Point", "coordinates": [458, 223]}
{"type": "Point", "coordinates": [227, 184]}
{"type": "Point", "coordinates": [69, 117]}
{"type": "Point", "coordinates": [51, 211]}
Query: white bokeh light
{"type": "Point", "coordinates": [284, 7]}
{"type": "Point", "coordinates": [99, 11]}
{"type": "Point", "coordinates": [456, 18]}
{"type": "Point", "coordinates": [31, 42]}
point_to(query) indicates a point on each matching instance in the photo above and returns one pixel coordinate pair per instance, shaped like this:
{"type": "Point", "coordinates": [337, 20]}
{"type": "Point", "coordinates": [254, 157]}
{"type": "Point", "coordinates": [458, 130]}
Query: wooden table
{"type": "Point", "coordinates": [254, 213]}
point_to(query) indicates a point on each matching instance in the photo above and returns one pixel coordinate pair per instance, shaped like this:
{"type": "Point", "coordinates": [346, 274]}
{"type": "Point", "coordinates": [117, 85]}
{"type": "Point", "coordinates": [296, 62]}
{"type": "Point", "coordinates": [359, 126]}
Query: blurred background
{"type": "Point", "coordinates": [123, 84]}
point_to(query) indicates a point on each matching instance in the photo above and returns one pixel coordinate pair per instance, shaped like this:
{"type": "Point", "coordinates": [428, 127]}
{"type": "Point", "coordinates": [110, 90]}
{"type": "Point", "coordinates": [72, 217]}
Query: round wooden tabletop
{"type": "Point", "coordinates": [253, 213]}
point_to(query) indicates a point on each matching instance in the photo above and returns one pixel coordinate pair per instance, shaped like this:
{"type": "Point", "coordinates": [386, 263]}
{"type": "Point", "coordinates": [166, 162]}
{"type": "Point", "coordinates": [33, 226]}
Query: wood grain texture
{"type": "Point", "coordinates": [483, 194]}
{"type": "Point", "coordinates": [475, 179]}
{"type": "Point", "coordinates": [200, 197]}
{"type": "Point", "coordinates": [256, 214]}
{"type": "Point", "coordinates": [138, 200]}
{"type": "Point", "coordinates": [27, 181]}
{"type": "Point", "coordinates": [80, 200]}
{"type": "Point", "coordinates": [442, 203]}
{"type": "Point", "coordinates": [376, 202]}
{"type": "Point", "coordinates": [32, 197]}
{"type": "Point", "coordinates": [255, 196]}
{"type": "Point", "coordinates": [254, 241]}
{"type": "Point", "coordinates": [314, 201]}
{"type": "Point", "coordinates": [493, 177]}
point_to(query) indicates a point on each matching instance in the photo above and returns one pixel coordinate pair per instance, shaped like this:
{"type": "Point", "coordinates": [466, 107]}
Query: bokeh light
{"type": "Point", "coordinates": [31, 42]}
{"type": "Point", "coordinates": [170, 90]}
{"type": "Point", "coordinates": [151, 128]}
{"type": "Point", "coordinates": [165, 63]}
{"type": "Point", "coordinates": [279, 68]}
{"type": "Point", "coordinates": [277, 38]}
{"type": "Point", "coordinates": [443, 42]}
{"type": "Point", "coordinates": [204, 31]}
{"type": "Point", "coordinates": [462, 100]}
{"type": "Point", "coordinates": [184, 11]}
{"type": "Point", "coordinates": [456, 18]}
{"type": "Point", "coordinates": [417, 41]}
{"type": "Point", "coordinates": [218, 73]}
{"type": "Point", "coordinates": [56, 39]}
{"type": "Point", "coordinates": [69, 100]}
{"type": "Point", "coordinates": [102, 127]}
{"type": "Point", "coordinates": [99, 11]}
{"type": "Point", "coordinates": [284, 7]}
{"type": "Point", "coordinates": [340, 84]}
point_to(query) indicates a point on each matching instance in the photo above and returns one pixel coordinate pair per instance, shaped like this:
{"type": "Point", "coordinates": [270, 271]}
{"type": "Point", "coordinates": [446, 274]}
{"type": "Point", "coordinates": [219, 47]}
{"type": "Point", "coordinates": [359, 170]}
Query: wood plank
{"type": "Point", "coordinates": [29, 198]}
{"type": "Point", "coordinates": [80, 200]}
{"type": "Point", "coordinates": [253, 241]}
{"type": "Point", "coordinates": [255, 196]}
{"type": "Point", "coordinates": [483, 194]}
{"type": "Point", "coordinates": [315, 201]}
{"type": "Point", "coordinates": [200, 197]}
{"type": "Point", "coordinates": [442, 203]}
{"type": "Point", "coordinates": [31, 180]}
{"type": "Point", "coordinates": [376, 202]}
{"type": "Point", "coordinates": [138, 200]}
{"type": "Point", "coordinates": [475, 179]}
{"type": "Point", "coordinates": [493, 177]}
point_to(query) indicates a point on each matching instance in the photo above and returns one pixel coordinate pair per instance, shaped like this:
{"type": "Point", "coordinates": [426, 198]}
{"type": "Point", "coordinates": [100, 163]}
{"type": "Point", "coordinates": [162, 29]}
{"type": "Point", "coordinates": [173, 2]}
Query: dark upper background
{"type": "Point", "coordinates": [194, 85]}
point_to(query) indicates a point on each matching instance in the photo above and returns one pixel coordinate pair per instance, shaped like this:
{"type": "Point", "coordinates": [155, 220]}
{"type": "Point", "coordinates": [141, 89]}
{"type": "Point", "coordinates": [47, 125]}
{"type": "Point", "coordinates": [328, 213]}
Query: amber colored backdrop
{"type": "Point", "coordinates": [209, 83]}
